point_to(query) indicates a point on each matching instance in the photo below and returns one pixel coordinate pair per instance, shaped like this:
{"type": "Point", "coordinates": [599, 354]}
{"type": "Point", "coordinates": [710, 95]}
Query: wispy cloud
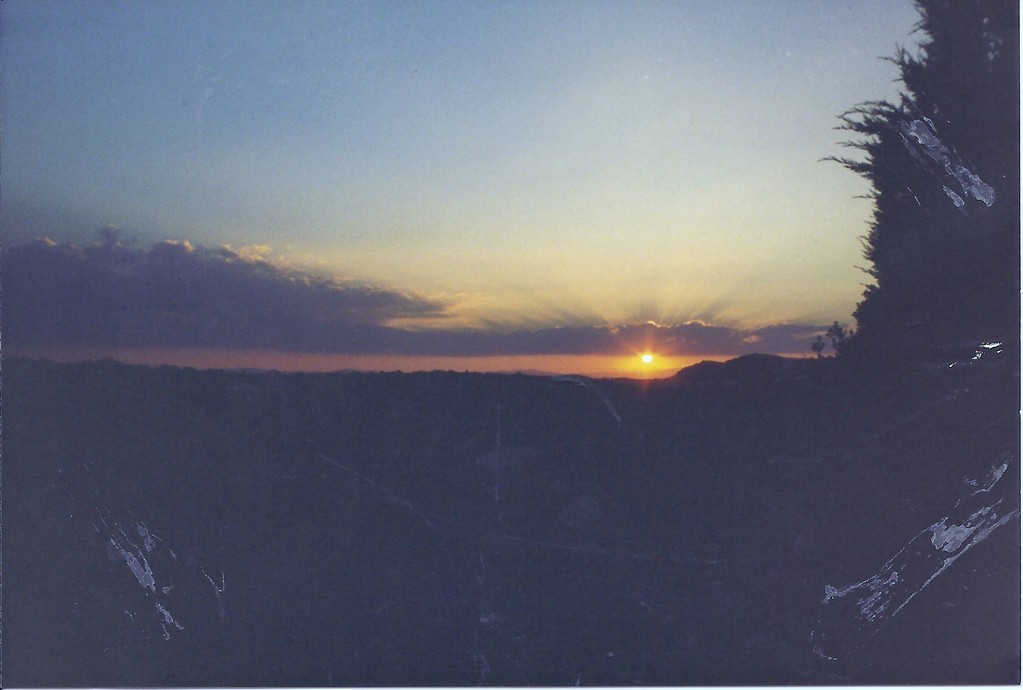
{"type": "Point", "coordinates": [176, 294]}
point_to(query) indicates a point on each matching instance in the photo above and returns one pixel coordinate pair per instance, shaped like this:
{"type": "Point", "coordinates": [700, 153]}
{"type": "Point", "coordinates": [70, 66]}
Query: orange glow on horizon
{"type": "Point", "coordinates": [596, 366]}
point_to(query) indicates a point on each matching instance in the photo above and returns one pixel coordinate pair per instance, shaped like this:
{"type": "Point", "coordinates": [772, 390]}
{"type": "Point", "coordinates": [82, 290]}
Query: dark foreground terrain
{"type": "Point", "coordinates": [763, 521]}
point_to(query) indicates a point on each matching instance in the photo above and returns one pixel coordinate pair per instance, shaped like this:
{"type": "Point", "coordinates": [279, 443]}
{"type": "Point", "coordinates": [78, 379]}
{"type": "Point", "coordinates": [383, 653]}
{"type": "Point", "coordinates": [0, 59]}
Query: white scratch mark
{"type": "Point", "coordinates": [816, 647]}
{"type": "Point", "coordinates": [979, 352]}
{"type": "Point", "coordinates": [915, 566]}
{"type": "Point", "coordinates": [217, 591]}
{"type": "Point", "coordinates": [582, 381]}
{"type": "Point", "coordinates": [168, 619]}
{"type": "Point", "coordinates": [169, 549]}
{"type": "Point", "coordinates": [382, 490]}
{"type": "Point", "coordinates": [121, 545]}
{"type": "Point", "coordinates": [139, 566]}
{"type": "Point", "coordinates": [147, 539]}
{"type": "Point", "coordinates": [921, 136]}
{"type": "Point", "coordinates": [956, 199]}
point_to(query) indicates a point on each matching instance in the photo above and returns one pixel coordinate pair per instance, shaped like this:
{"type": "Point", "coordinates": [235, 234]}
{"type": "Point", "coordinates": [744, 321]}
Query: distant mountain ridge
{"type": "Point", "coordinates": [761, 368]}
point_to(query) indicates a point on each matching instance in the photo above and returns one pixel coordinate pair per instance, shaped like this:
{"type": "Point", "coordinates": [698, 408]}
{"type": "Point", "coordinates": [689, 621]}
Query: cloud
{"type": "Point", "coordinates": [176, 294]}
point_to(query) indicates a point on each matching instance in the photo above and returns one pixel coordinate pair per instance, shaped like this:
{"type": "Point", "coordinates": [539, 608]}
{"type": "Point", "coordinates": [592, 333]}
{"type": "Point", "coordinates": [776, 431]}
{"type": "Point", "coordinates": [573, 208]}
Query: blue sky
{"type": "Point", "coordinates": [530, 165]}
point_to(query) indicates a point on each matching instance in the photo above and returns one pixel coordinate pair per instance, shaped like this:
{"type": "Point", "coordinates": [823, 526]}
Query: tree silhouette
{"type": "Point", "coordinates": [943, 165]}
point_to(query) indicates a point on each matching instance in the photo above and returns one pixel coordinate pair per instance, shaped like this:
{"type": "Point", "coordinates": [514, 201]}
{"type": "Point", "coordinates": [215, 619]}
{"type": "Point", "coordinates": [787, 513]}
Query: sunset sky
{"type": "Point", "coordinates": [556, 186]}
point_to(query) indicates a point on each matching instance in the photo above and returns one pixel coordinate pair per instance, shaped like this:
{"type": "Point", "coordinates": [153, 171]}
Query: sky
{"type": "Point", "coordinates": [552, 186]}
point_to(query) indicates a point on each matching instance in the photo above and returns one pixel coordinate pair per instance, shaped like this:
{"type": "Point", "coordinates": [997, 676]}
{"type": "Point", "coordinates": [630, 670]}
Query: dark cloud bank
{"type": "Point", "coordinates": [175, 294]}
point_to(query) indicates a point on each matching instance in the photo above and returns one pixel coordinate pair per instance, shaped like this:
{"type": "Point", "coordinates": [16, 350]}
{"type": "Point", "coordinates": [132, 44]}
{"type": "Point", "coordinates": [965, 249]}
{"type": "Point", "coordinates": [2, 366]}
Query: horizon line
{"type": "Point", "coordinates": [588, 365]}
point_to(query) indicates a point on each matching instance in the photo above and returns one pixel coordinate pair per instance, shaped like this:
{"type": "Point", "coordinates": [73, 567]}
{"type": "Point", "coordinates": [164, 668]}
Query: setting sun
{"type": "Point", "coordinates": [647, 358]}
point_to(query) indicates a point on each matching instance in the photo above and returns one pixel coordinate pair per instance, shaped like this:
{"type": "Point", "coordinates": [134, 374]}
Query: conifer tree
{"type": "Point", "coordinates": [943, 164]}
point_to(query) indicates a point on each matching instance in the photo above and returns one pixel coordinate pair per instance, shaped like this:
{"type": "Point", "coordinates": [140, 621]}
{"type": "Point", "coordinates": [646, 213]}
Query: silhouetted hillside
{"type": "Point", "coordinates": [168, 526]}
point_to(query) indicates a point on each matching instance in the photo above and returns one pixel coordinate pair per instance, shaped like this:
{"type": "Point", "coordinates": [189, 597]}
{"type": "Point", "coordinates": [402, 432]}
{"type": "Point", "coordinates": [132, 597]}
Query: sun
{"type": "Point", "coordinates": [647, 358]}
